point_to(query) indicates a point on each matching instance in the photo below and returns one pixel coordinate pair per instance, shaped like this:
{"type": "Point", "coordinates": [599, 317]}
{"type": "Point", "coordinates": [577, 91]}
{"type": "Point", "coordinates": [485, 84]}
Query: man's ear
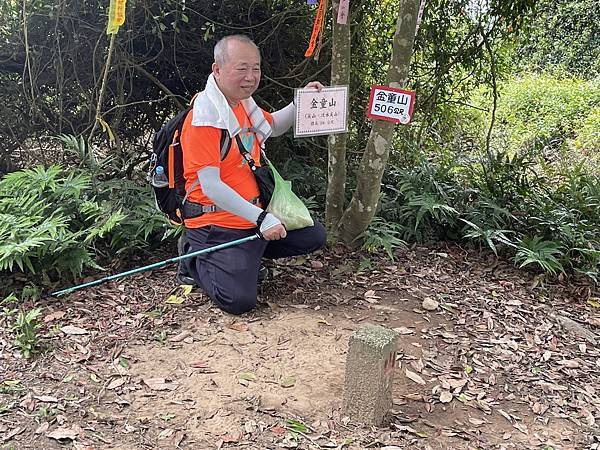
{"type": "Point", "coordinates": [216, 69]}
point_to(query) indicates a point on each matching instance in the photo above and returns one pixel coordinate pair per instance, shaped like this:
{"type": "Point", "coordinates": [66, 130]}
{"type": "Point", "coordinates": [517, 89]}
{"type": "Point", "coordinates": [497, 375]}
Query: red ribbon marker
{"type": "Point", "coordinates": [317, 27]}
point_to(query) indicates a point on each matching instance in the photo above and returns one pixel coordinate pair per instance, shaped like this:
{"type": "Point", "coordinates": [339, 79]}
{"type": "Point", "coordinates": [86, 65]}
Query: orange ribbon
{"type": "Point", "coordinates": [317, 29]}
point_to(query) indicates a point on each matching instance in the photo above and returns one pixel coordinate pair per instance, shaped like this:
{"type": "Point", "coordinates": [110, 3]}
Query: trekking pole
{"type": "Point", "coordinates": [153, 266]}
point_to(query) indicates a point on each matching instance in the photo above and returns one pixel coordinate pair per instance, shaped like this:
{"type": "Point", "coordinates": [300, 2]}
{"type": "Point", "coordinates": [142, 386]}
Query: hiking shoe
{"type": "Point", "coordinates": [263, 273]}
{"type": "Point", "coordinates": [185, 279]}
{"type": "Point", "coordinates": [183, 246]}
{"type": "Point", "coordinates": [183, 276]}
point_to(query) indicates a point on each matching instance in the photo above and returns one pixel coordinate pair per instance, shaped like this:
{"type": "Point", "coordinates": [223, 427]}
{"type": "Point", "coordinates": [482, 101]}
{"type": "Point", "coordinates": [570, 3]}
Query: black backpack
{"type": "Point", "coordinates": [169, 186]}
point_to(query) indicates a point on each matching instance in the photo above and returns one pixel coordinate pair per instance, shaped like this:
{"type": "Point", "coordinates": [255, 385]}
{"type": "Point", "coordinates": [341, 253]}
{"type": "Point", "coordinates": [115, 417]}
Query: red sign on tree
{"type": "Point", "coordinates": [391, 104]}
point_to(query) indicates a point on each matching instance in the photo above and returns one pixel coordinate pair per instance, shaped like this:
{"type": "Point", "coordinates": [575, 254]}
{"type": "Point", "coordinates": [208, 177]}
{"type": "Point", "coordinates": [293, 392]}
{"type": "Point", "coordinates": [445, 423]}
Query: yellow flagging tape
{"type": "Point", "coordinates": [106, 129]}
{"type": "Point", "coordinates": [116, 15]}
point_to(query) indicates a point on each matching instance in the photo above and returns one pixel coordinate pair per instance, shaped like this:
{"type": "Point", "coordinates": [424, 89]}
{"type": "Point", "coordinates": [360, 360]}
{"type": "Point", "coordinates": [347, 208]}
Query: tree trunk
{"type": "Point", "coordinates": [336, 170]}
{"type": "Point", "coordinates": [362, 207]}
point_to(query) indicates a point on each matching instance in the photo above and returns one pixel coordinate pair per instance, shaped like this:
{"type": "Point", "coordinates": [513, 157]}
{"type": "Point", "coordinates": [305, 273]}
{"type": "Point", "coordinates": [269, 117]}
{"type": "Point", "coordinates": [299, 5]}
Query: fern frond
{"type": "Point", "coordinates": [101, 230]}
{"type": "Point", "coordinates": [489, 236]}
{"type": "Point", "coordinates": [35, 180]}
{"type": "Point", "coordinates": [382, 234]}
{"type": "Point", "coordinates": [540, 252]}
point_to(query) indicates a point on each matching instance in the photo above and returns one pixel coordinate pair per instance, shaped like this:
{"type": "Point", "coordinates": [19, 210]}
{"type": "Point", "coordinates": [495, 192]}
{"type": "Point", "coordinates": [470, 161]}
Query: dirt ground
{"type": "Point", "coordinates": [504, 361]}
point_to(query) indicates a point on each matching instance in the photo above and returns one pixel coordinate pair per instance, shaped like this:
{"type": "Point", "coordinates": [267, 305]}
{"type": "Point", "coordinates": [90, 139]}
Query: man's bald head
{"type": "Point", "coordinates": [221, 51]}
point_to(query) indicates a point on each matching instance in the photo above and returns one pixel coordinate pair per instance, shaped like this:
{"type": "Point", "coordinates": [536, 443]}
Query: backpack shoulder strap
{"type": "Point", "coordinates": [224, 144]}
{"type": "Point", "coordinates": [245, 153]}
{"type": "Point", "coordinates": [177, 135]}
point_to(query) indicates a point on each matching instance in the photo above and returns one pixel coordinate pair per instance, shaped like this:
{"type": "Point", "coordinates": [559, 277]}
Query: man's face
{"type": "Point", "coordinates": [239, 76]}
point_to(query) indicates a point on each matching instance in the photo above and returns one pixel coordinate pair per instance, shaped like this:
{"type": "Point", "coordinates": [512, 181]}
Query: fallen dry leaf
{"type": "Point", "coordinates": [404, 330]}
{"type": "Point", "coordinates": [476, 422]}
{"type": "Point", "coordinates": [589, 417]}
{"type": "Point", "coordinates": [371, 297]}
{"type": "Point", "coordinates": [505, 415]}
{"type": "Point", "coordinates": [160, 384]}
{"type": "Point", "coordinates": [175, 299]}
{"type": "Point", "coordinates": [42, 428]}
{"type": "Point", "coordinates": [538, 408]}
{"type": "Point", "coordinates": [458, 384]}
{"type": "Point", "coordinates": [248, 376]}
{"type": "Point", "coordinates": [552, 386]}
{"type": "Point", "coordinates": [594, 302]}
{"type": "Point", "coordinates": [180, 337]}
{"type": "Point", "coordinates": [117, 382]}
{"type": "Point", "coordinates": [521, 427]}
{"type": "Point", "coordinates": [414, 397]}
{"type": "Point", "coordinates": [73, 330]}
{"type": "Point", "coordinates": [199, 365]}
{"type": "Point", "coordinates": [288, 381]}
{"type": "Point", "coordinates": [415, 377]}
{"type": "Point", "coordinates": [166, 433]}
{"type": "Point", "coordinates": [418, 365]}
{"type": "Point", "coordinates": [179, 437]}
{"type": "Point", "coordinates": [46, 398]}
{"type": "Point", "coordinates": [446, 396]}
{"type": "Point", "coordinates": [410, 430]}
{"type": "Point", "coordinates": [54, 316]}
{"type": "Point", "coordinates": [569, 363]}
{"type": "Point", "coordinates": [11, 434]}
{"type": "Point", "coordinates": [27, 403]}
{"type": "Point", "coordinates": [230, 438]}
{"type": "Point", "coordinates": [239, 326]}
{"type": "Point", "coordinates": [63, 433]}
{"type": "Point", "coordinates": [317, 265]}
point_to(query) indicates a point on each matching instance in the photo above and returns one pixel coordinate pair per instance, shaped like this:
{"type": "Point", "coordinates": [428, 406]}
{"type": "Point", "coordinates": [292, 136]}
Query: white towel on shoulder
{"type": "Point", "coordinates": [211, 109]}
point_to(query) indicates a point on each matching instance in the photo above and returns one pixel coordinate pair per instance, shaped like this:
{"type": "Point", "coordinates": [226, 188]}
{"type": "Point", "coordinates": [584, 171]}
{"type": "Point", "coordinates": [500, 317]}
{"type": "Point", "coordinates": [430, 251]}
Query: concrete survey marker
{"type": "Point", "coordinates": [370, 374]}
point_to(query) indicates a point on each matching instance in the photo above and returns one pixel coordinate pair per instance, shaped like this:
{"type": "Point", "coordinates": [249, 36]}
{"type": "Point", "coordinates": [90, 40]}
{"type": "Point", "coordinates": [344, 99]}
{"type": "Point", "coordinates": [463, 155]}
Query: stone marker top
{"type": "Point", "coordinates": [375, 335]}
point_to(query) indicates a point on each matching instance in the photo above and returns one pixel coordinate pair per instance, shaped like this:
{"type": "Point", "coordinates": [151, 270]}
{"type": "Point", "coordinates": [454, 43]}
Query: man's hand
{"type": "Point", "coordinates": [274, 233]}
{"type": "Point", "coordinates": [271, 228]}
{"type": "Point", "coordinates": [314, 85]}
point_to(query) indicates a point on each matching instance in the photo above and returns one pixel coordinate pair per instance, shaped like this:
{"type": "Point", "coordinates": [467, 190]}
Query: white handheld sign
{"type": "Point", "coordinates": [324, 112]}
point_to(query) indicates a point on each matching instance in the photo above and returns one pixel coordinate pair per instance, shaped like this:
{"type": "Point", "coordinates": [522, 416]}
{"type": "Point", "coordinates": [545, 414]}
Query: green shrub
{"type": "Point", "coordinates": [143, 225]}
{"type": "Point", "coordinates": [424, 200]}
{"type": "Point", "coordinates": [542, 253]}
{"type": "Point", "coordinates": [382, 234]}
{"type": "Point", "coordinates": [45, 218]}
{"type": "Point", "coordinates": [488, 236]}
{"type": "Point", "coordinates": [26, 328]}
{"type": "Point", "coordinates": [588, 135]}
{"type": "Point", "coordinates": [543, 111]}
{"type": "Point", "coordinates": [563, 35]}
{"type": "Point", "coordinates": [56, 223]}
{"type": "Point", "coordinates": [497, 202]}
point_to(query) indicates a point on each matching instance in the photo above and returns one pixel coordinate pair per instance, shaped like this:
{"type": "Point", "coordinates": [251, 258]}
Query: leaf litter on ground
{"type": "Point", "coordinates": [536, 342]}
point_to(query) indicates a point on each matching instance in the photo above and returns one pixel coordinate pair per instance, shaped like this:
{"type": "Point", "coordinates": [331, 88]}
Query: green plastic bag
{"type": "Point", "coordinates": [286, 206]}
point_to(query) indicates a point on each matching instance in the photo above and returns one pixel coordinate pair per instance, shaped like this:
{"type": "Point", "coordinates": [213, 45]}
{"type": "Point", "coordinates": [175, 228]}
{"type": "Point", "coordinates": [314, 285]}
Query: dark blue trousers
{"type": "Point", "coordinates": [230, 276]}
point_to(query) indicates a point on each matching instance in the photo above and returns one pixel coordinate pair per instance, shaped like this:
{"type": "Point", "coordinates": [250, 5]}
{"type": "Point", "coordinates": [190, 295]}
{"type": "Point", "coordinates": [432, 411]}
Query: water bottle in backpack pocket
{"type": "Point", "coordinates": [159, 179]}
